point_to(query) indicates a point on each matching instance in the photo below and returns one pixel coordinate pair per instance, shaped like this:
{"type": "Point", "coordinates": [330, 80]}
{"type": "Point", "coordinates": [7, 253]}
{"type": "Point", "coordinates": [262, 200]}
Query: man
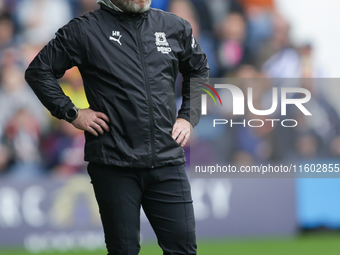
{"type": "Point", "coordinates": [129, 56]}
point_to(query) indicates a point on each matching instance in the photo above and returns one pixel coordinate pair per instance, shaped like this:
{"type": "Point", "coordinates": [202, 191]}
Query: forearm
{"type": "Point", "coordinates": [40, 77]}
{"type": "Point", "coordinates": [59, 55]}
{"type": "Point", "coordinates": [191, 103]}
{"type": "Point", "coordinates": [194, 67]}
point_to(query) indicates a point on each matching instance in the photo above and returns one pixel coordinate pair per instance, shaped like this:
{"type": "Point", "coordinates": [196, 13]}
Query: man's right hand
{"type": "Point", "coordinates": [92, 122]}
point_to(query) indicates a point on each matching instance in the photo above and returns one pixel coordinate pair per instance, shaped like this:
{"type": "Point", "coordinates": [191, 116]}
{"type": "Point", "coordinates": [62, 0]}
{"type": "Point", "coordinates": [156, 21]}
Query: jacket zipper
{"type": "Point", "coordinates": [146, 81]}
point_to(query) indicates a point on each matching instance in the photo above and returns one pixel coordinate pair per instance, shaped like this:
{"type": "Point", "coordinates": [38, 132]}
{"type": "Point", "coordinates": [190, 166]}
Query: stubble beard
{"type": "Point", "coordinates": [132, 5]}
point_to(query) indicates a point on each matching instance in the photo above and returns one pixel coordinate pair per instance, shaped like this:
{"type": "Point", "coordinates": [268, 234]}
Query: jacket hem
{"type": "Point", "coordinates": [137, 164]}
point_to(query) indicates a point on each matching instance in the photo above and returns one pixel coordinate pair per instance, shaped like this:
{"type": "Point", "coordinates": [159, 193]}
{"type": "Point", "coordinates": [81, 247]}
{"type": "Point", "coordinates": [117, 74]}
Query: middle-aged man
{"type": "Point", "coordinates": [129, 56]}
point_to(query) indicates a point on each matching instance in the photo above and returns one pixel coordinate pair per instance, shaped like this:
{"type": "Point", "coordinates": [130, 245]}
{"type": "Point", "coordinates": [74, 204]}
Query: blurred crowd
{"type": "Point", "coordinates": [242, 38]}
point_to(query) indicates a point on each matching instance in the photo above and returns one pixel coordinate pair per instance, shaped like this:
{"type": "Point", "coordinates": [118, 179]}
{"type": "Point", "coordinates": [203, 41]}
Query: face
{"type": "Point", "coordinates": [136, 6]}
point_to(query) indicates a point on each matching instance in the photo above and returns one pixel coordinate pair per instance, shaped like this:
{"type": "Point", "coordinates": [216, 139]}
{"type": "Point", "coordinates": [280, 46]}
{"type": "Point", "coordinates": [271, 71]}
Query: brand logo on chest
{"type": "Point", "coordinates": [116, 37]}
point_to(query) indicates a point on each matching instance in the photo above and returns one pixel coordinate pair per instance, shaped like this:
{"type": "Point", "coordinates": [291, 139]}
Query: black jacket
{"type": "Point", "coordinates": [129, 64]}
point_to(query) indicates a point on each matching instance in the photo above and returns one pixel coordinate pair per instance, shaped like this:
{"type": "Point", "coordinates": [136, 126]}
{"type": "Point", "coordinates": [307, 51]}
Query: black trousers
{"type": "Point", "coordinates": [165, 196]}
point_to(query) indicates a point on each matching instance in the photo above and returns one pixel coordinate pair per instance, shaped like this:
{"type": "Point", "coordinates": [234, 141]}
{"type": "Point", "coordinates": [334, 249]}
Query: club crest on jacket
{"type": "Point", "coordinates": [162, 43]}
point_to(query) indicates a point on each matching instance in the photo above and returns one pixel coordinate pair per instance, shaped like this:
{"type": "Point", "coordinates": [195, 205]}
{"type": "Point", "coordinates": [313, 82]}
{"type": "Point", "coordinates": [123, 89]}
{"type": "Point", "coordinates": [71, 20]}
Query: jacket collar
{"type": "Point", "coordinates": [108, 3]}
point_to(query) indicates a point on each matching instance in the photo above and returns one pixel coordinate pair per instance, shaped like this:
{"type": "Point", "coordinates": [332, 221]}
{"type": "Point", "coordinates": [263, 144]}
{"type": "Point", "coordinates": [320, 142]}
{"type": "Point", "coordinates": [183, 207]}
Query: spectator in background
{"type": "Point", "coordinates": [219, 9]}
{"type": "Point", "coordinates": [211, 15]}
{"type": "Point", "coordinates": [63, 150]}
{"type": "Point", "coordinates": [5, 157]}
{"type": "Point", "coordinates": [81, 7]}
{"type": "Point", "coordinates": [22, 137]}
{"type": "Point", "coordinates": [40, 19]}
{"type": "Point", "coordinates": [260, 22]}
{"type": "Point", "coordinates": [325, 123]}
{"type": "Point", "coordinates": [21, 121]}
{"type": "Point", "coordinates": [2, 7]}
{"type": "Point", "coordinates": [279, 58]}
{"type": "Point", "coordinates": [231, 32]}
{"type": "Point", "coordinates": [72, 85]}
{"type": "Point", "coordinates": [8, 6]}
{"type": "Point", "coordinates": [16, 95]}
{"type": "Point", "coordinates": [204, 17]}
{"type": "Point", "coordinates": [315, 136]}
{"type": "Point", "coordinates": [252, 145]}
{"type": "Point", "coordinates": [308, 67]}
{"type": "Point", "coordinates": [186, 10]}
{"type": "Point", "coordinates": [6, 32]}
{"type": "Point", "coordinates": [232, 50]}
{"type": "Point", "coordinates": [8, 43]}
{"type": "Point", "coordinates": [160, 4]}
{"type": "Point", "coordinates": [10, 57]}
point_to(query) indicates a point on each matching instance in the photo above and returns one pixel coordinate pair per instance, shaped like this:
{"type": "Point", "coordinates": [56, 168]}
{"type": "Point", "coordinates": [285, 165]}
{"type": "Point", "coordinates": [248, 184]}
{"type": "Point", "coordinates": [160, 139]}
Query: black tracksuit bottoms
{"type": "Point", "coordinates": [165, 196]}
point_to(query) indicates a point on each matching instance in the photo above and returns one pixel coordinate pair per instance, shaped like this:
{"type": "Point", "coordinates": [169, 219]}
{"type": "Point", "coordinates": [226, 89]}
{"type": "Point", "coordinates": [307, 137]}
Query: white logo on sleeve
{"type": "Point", "coordinates": [193, 42]}
{"type": "Point", "coordinates": [162, 43]}
{"type": "Point", "coordinates": [116, 37]}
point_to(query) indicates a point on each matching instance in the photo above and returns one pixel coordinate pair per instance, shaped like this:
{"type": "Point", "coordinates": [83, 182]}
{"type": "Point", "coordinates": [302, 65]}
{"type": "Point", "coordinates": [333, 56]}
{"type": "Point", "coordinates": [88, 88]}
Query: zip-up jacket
{"type": "Point", "coordinates": [129, 64]}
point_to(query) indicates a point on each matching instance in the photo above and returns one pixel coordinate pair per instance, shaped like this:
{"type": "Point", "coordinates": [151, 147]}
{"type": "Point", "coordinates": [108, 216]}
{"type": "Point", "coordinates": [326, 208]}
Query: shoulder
{"type": "Point", "coordinates": [78, 26]}
{"type": "Point", "coordinates": [88, 17]}
{"type": "Point", "coordinates": [170, 18]}
{"type": "Point", "coordinates": [82, 23]}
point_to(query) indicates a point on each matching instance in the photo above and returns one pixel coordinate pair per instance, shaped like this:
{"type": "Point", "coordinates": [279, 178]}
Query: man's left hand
{"type": "Point", "coordinates": [181, 131]}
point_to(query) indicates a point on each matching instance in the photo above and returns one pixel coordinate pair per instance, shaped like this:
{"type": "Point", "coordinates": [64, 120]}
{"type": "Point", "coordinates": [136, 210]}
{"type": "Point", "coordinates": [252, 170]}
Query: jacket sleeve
{"type": "Point", "coordinates": [193, 65]}
{"type": "Point", "coordinates": [60, 54]}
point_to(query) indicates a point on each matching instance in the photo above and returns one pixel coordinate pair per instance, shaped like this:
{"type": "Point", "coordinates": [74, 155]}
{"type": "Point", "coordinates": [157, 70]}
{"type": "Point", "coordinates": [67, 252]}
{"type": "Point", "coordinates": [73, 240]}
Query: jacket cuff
{"type": "Point", "coordinates": [64, 110]}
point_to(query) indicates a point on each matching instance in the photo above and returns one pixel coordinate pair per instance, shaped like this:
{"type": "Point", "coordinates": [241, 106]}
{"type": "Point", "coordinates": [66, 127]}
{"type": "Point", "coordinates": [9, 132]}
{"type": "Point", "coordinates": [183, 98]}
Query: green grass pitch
{"type": "Point", "coordinates": [320, 244]}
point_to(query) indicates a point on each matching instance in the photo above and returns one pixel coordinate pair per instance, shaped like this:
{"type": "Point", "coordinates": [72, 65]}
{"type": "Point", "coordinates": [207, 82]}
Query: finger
{"type": "Point", "coordinates": [181, 136]}
{"type": "Point", "coordinates": [103, 116]}
{"type": "Point", "coordinates": [92, 131]}
{"type": "Point", "coordinates": [96, 127]}
{"type": "Point", "coordinates": [103, 124]}
{"type": "Point", "coordinates": [186, 138]}
{"type": "Point", "coordinates": [174, 129]}
{"type": "Point", "coordinates": [175, 133]}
